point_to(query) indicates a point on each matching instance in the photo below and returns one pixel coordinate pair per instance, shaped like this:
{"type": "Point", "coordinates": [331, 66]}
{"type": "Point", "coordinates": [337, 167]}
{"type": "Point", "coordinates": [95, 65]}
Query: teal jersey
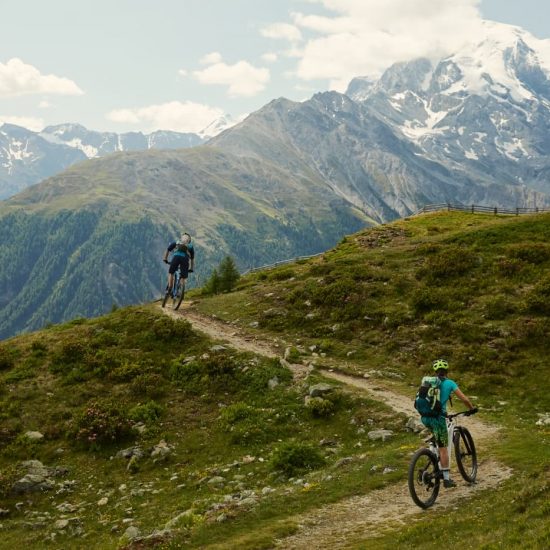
{"type": "Point", "coordinates": [446, 388]}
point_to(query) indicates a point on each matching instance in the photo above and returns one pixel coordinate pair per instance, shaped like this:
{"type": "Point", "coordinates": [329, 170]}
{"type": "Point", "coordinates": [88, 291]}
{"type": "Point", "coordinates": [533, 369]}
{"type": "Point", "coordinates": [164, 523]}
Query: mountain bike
{"type": "Point", "coordinates": [425, 472]}
{"type": "Point", "coordinates": [176, 293]}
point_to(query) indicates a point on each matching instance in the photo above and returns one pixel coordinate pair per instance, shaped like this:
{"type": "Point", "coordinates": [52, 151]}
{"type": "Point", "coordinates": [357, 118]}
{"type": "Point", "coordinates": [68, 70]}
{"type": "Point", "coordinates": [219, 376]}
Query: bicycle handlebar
{"type": "Point", "coordinates": [463, 413]}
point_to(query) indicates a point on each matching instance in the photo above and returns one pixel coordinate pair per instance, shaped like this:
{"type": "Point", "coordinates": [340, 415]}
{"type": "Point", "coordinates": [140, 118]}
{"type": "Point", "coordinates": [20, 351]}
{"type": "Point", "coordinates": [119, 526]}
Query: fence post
{"type": "Point", "coordinates": [496, 210]}
{"type": "Point", "coordinates": [517, 211]}
{"type": "Point", "coordinates": [473, 208]}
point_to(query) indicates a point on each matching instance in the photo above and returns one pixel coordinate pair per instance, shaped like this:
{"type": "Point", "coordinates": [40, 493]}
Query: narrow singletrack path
{"type": "Point", "coordinates": [351, 520]}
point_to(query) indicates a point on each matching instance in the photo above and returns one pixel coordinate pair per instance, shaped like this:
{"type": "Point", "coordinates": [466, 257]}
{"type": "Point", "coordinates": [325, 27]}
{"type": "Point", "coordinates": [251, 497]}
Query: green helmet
{"type": "Point", "coordinates": [440, 364]}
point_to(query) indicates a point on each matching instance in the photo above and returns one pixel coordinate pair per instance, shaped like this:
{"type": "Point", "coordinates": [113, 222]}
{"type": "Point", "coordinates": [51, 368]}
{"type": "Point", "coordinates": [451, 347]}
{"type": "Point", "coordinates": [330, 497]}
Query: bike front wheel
{"type": "Point", "coordinates": [179, 295]}
{"type": "Point", "coordinates": [465, 452]}
{"type": "Point", "coordinates": [424, 478]}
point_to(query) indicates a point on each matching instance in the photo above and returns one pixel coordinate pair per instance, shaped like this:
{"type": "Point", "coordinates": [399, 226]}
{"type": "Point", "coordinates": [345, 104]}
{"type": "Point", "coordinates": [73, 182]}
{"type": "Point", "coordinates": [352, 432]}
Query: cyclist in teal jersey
{"type": "Point", "coordinates": [183, 258]}
{"type": "Point", "coordinates": [437, 425]}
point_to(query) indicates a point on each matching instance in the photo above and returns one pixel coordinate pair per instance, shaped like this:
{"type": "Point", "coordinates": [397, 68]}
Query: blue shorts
{"type": "Point", "coordinates": [181, 262]}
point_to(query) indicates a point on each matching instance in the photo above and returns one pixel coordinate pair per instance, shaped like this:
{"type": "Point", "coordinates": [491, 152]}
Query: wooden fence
{"type": "Point", "coordinates": [473, 208]}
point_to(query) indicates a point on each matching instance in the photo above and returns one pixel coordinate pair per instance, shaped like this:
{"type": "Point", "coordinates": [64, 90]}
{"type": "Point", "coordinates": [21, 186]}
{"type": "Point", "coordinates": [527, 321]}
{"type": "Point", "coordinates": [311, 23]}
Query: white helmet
{"type": "Point", "coordinates": [185, 238]}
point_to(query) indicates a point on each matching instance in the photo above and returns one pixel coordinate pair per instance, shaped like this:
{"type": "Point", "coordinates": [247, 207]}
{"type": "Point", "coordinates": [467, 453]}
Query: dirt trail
{"type": "Point", "coordinates": [339, 525]}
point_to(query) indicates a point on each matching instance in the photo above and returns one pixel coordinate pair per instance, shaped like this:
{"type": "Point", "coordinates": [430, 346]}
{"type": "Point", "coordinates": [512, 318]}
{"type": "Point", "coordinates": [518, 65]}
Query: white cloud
{"type": "Point", "coordinates": [183, 72]}
{"type": "Point", "coordinates": [364, 37]}
{"type": "Point", "coordinates": [282, 31]}
{"type": "Point", "coordinates": [241, 78]}
{"type": "Point", "coordinates": [270, 57]}
{"type": "Point", "coordinates": [31, 123]}
{"type": "Point", "coordinates": [44, 104]}
{"type": "Point", "coordinates": [211, 58]}
{"type": "Point", "coordinates": [175, 115]}
{"type": "Point", "coordinates": [18, 78]}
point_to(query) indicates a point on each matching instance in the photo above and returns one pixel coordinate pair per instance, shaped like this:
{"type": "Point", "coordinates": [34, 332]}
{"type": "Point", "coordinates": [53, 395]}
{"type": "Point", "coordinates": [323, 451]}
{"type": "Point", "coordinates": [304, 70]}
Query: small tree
{"type": "Point", "coordinates": [229, 275]}
{"type": "Point", "coordinates": [212, 286]}
{"type": "Point", "coordinates": [223, 278]}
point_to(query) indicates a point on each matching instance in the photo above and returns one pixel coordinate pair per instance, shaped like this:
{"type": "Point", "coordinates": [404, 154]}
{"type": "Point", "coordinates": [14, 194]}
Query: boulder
{"type": "Point", "coordinates": [377, 435]}
{"type": "Point", "coordinates": [318, 390]}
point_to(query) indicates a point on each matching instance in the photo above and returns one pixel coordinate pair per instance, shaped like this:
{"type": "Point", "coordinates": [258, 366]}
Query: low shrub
{"type": "Point", "coordinates": [8, 476]}
{"type": "Point", "coordinates": [534, 253]}
{"type": "Point", "coordinates": [148, 385]}
{"type": "Point", "coordinates": [6, 360]}
{"type": "Point", "coordinates": [213, 372]}
{"type": "Point", "coordinates": [99, 424]}
{"type": "Point", "coordinates": [126, 372]}
{"type": "Point", "coordinates": [498, 308]}
{"type": "Point", "coordinates": [246, 424]}
{"type": "Point", "coordinates": [509, 267]}
{"type": "Point", "coordinates": [147, 413]}
{"type": "Point", "coordinates": [293, 458]}
{"type": "Point", "coordinates": [320, 408]}
{"type": "Point", "coordinates": [451, 261]}
{"type": "Point", "coordinates": [281, 274]}
{"type": "Point", "coordinates": [538, 299]}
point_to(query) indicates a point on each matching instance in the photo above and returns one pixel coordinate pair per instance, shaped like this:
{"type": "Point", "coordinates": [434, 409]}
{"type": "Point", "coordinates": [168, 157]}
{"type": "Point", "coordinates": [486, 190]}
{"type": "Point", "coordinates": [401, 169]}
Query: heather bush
{"type": "Point", "coordinates": [101, 423]}
{"type": "Point", "coordinates": [293, 458]}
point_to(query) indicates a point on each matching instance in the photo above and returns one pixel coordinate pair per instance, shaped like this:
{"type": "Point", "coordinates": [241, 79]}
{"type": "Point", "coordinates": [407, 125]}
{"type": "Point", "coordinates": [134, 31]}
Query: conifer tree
{"type": "Point", "coordinates": [229, 274]}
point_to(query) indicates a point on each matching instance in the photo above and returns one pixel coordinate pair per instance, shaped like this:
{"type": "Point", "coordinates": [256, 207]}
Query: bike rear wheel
{"type": "Point", "coordinates": [424, 478]}
{"type": "Point", "coordinates": [165, 298]}
{"type": "Point", "coordinates": [465, 452]}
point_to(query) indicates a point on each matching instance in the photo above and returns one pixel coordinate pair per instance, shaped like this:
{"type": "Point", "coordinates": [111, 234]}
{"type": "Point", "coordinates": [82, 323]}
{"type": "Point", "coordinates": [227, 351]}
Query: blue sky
{"type": "Point", "coordinates": [130, 65]}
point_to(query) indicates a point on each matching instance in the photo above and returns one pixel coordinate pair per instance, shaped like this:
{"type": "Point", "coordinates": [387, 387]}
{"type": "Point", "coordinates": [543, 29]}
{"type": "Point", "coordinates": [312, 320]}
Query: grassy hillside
{"type": "Point", "coordinates": [472, 288]}
{"type": "Point", "coordinates": [104, 225]}
{"type": "Point", "coordinates": [246, 450]}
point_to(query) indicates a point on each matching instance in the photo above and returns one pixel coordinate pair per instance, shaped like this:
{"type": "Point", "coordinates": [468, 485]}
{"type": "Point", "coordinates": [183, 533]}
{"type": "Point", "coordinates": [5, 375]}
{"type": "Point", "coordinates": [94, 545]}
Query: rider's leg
{"type": "Point", "coordinates": [444, 458]}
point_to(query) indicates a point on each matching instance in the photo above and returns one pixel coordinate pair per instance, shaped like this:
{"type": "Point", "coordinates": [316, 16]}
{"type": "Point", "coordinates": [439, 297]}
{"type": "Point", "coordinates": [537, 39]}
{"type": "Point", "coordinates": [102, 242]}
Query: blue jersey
{"type": "Point", "coordinates": [189, 253]}
{"type": "Point", "coordinates": [446, 388]}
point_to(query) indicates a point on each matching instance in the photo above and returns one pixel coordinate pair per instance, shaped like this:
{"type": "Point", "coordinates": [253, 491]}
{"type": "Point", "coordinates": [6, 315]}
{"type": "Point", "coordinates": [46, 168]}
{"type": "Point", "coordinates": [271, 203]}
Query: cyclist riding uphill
{"type": "Point", "coordinates": [183, 258]}
{"type": "Point", "coordinates": [435, 421]}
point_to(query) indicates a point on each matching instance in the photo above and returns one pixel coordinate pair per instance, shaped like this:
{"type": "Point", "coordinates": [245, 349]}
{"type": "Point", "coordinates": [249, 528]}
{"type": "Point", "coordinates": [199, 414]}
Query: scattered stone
{"type": "Point", "coordinates": [217, 348]}
{"type": "Point", "coordinates": [254, 324]}
{"type": "Point", "coordinates": [161, 450]}
{"type": "Point", "coordinates": [388, 470]}
{"type": "Point", "coordinates": [216, 481]}
{"type": "Point", "coordinates": [34, 436]}
{"type": "Point", "coordinates": [328, 442]}
{"type": "Point", "coordinates": [131, 452]}
{"type": "Point", "coordinates": [343, 461]}
{"type": "Point", "coordinates": [61, 524]}
{"type": "Point", "coordinates": [414, 424]}
{"type": "Point", "coordinates": [273, 383]}
{"type": "Point", "coordinates": [37, 479]}
{"type": "Point", "coordinates": [67, 508]}
{"type": "Point", "coordinates": [350, 353]}
{"type": "Point", "coordinates": [318, 390]}
{"type": "Point", "coordinates": [221, 518]}
{"type": "Point", "coordinates": [267, 490]}
{"type": "Point", "coordinates": [182, 518]}
{"type": "Point", "coordinates": [103, 501]}
{"type": "Point", "coordinates": [544, 419]}
{"type": "Point", "coordinates": [131, 533]}
{"type": "Point", "coordinates": [4, 513]}
{"type": "Point", "coordinates": [311, 316]}
{"type": "Point", "coordinates": [376, 435]}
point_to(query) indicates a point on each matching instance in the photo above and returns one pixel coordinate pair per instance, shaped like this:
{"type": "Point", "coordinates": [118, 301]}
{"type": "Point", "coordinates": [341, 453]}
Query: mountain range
{"type": "Point", "coordinates": [291, 179]}
{"type": "Point", "coordinates": [28, 157]}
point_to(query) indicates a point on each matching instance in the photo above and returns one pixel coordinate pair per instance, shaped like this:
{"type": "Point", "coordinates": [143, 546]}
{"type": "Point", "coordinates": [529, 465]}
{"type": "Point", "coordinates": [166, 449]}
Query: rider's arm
{"type": "Point", "coordinates": [464, 399]}
{"type": "Point", "coordinates": [171, 247]}
{"type": "Point", "coordinates": [191, 251]}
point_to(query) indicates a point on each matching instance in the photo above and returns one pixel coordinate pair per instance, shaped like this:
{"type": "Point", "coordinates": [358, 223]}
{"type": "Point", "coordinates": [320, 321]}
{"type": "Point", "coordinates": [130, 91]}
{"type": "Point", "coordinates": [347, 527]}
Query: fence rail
{"type": "Point", "coordinates": [282, 262]}
{"type": "Point", "coordinates": [473, 208]}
